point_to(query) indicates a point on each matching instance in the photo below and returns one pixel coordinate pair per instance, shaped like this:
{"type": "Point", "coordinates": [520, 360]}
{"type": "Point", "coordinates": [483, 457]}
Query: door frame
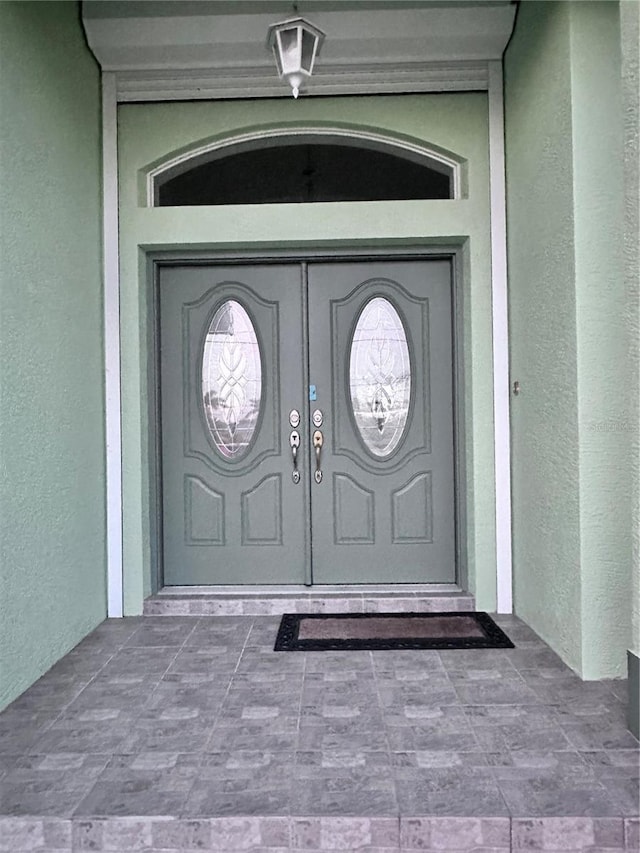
{"type": "Point", "coordinates": [113, 389]}
{"type": "Point", "coordinates": [157, 259]}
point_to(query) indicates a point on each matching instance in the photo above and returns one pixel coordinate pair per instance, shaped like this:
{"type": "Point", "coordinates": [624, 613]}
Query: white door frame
{"type": "Point", "coordinates": [500, 331]}
{"type": "Point", "coordinates": [113, 403]}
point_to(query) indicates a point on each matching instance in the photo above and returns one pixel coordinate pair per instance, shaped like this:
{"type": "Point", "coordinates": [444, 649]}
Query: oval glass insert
{"type": "Point", "coordinates": [231, 379]}
{"type": "Point", "coordinates": [380, 376]}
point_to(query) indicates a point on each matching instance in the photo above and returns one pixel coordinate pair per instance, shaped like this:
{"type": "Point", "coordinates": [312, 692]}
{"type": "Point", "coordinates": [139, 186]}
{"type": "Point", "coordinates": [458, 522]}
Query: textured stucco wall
{"type": "Point", "coordinates": [52, 551]}
{"type": "Point", "coordinates": [571, 478]}
{"type": "Point", "coordinates": [630, 48]}
{"type": "Point", "coordinates": [458, 123]}
{"type": "Point", "coordinates": [605, 475]}
{"type": "Point", "coordinates": [542, 306]}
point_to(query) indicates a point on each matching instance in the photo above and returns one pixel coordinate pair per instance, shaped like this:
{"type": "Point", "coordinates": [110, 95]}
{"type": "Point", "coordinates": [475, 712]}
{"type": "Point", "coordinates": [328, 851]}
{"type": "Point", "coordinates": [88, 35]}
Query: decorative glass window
{"type": "Point", "coordinates": [231, 379]}
{"type": "Point", "coordinates": [380, 376]}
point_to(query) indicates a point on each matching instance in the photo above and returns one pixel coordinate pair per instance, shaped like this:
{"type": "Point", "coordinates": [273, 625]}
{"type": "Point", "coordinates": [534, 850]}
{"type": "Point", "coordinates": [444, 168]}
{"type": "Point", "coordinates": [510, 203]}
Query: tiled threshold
{"type": "Point", "coordinates": [321, 834]}
{"type": "Point", "coordinates": [269, 600]}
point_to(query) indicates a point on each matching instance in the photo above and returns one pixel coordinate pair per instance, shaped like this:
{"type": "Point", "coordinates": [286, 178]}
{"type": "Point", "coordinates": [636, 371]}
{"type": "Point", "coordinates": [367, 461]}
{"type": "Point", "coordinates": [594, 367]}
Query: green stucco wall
{"type": "Point", "coordinates": [630, 42]}
{"type": "Point", "coordinates": [151, 132]}
{"type": "Point", "coordinates": [630, 50]}
{"type": "Point", "coordinates": [605, 481]}
{"type": "Point", "coordinates": [52, 521]}
{"type": "Point", "coordinates": [571, 479]}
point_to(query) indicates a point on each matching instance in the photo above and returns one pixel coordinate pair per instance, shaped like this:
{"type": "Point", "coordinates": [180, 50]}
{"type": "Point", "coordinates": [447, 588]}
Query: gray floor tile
{"type": "Point", "coordinates": [334, 760]}
{"type": "Point", "coordinates": [545, 800]}
{"type": "Point", "coordinates": [248, 737]}
{"type": "Point", "coordinates": [535, 758]}
{"type": "Point", "coordinates": [566, 790]}
{"type": "Point", "coordinates": [277, 682]}
{"type": "Point", "coordinates": [247, 783]}
{"type": "Point", "coordinates": [497, 692]}
{"type": "Point", "coordinates": [252, 762]}
{"type": "Point", "coordinates": [146, 664]}
{"type": "Point", "coordinates": [619, 687]}
{"type": "Point", "coordinates": [144, 784]}
{"type": "Point", "coordinates": [90, 738]}
{"type": "Point", "coordinates": [431, 739]}
{"type": "Point", "coordinates": [124, 692]}
{"type": "Point", "coordinates": [49, 696]}
{"type": "Point", "coordinates": [426, 759]}
{"type": "Point", "coordinates": [613, 761]}
{"type": "Point", "coordinates": [518, 736]}
{"type": "Point", "coordinates": [436, 690]}
{"type": "Point", "coordinates": [409, 665]}
{"type": "Point", "coordinates": [536, 655]}
{"type": "Point", "coordinates": [456, 659]}
{"type": "Point", "coordinates": [48, 785]}
{"type": "Point", "coordinates": [198, 718]}
{"type": "Point", "coordinates": [42, 799]}
{"type": "Point", "coordinates": [19, 730]}
{"type": "Point", "coordinates": [625, 793]}
{"type": "Point", "coordinates": [435, 719]}
{"type": "Point", "coordinates": [206, 697]}
{"type": "Point", "coordinates": [205, 661]}
{"type": "Point", "coordinates": [341, 735]}
{"type": "Point", "coordinates": [533, 716]}
{"type": "Point", "coordinates": [173, 730]}
{"type": "Point", "coordinates": [465, 792]}
{"type": "Point", "coordinates": [82, 666]}
{"type": "Point", "coordinates": [586, 736]}
{"type": "Point", "coordinates": [342, 791]}
{"type": "Point", "coordinates": [205, 801]}
{"type": "Point", "coordinates": [338, 662]}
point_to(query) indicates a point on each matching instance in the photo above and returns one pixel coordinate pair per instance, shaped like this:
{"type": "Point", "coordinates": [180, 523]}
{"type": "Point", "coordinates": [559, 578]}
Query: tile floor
{"type": "Point", "coordinates": [190, 733]}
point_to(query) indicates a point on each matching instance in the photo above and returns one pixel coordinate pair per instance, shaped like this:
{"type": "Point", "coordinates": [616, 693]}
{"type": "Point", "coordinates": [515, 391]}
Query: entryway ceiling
{"type": "Point", "coordinates": [177, 49]}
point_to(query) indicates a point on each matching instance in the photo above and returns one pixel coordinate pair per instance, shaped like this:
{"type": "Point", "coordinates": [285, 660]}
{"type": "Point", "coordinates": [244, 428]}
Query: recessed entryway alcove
{"type": "Point", "coordinates": [449, 129]}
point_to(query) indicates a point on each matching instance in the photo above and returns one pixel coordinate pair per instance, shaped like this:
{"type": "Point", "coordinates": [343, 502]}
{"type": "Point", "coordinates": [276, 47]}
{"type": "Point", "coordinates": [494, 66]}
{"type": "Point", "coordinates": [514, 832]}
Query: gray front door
{"type": "Point", "coordinates": [369, 496]}
{"type": "Point", "coordinates": [380, 355]}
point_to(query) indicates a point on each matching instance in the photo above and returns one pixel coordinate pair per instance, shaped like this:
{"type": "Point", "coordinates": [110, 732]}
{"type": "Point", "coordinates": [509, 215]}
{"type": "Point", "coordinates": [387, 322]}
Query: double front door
{"type": "Point", "coordinates": [307, 423]}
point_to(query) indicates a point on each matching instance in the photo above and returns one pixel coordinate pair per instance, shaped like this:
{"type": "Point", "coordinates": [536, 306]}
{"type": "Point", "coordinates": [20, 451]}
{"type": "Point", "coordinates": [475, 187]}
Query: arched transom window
{"type": "Point", "coordinates": [304, 167]}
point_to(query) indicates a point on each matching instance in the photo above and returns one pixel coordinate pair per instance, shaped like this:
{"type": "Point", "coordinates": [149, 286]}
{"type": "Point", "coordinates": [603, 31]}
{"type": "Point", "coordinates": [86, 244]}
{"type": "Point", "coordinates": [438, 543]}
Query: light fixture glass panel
{"type": "Point", "coordinates": [290, 49]}
{"type": "Point", "coordinates": [308, 50]}
{"type": "Point", "coordinates": [380, 376]}
{"type": "Point", "coordinates": [231, 379]}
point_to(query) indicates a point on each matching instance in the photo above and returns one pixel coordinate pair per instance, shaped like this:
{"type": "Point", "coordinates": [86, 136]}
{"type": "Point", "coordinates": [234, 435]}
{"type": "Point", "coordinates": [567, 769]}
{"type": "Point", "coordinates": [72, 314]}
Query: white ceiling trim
{"type": "Point", "coordinates": [371, 50]}
{"type": "Point", "coordinates": [263, 83]}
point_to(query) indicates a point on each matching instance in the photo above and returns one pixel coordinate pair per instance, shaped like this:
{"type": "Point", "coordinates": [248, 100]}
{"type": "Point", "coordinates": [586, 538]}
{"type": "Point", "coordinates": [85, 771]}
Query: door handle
{"type": "Point", "coordinates": [294, 442]}
{"type": "Point", "coordinates": [318, 441]}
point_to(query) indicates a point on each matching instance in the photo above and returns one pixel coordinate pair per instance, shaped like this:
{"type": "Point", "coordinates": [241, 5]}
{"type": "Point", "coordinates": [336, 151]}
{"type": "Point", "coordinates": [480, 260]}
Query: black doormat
{"type": "Point", "coordinates": [315, 632]}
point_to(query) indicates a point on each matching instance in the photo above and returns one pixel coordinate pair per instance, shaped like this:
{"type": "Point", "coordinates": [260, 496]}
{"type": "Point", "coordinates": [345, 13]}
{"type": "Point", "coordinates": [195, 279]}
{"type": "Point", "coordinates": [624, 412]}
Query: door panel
{"type": "Point", "coordinates": [231, 371]}
{"type": "Point", "coordinates": [384, 508]}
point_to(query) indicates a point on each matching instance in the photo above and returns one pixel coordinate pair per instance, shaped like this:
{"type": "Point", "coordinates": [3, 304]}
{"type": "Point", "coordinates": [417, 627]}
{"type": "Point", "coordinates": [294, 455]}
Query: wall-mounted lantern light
{"type": "Point", "coordinates": [295, 44]}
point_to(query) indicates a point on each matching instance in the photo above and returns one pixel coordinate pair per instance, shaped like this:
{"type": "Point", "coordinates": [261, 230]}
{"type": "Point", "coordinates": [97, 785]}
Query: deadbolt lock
{"type": "Point", "coordinates": [294, 418]}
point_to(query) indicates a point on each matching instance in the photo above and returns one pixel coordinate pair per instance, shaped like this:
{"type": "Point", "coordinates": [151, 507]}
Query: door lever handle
{"type": "Point", "coordinates": [318, 441]}
{"type": "Point", "coordinates": [294, 441]}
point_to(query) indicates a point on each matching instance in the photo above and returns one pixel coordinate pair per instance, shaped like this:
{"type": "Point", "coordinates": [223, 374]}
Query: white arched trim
{"type": "Point", "coordinates": [432, 158]}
